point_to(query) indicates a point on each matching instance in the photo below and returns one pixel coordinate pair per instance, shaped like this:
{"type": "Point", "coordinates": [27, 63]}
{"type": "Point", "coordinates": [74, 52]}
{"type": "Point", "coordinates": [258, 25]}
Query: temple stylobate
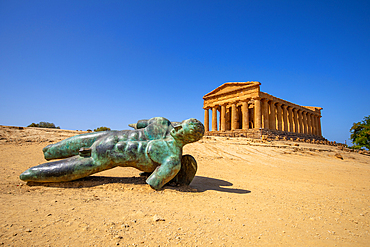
{"type": "Point", "coordinates": [241, 109]}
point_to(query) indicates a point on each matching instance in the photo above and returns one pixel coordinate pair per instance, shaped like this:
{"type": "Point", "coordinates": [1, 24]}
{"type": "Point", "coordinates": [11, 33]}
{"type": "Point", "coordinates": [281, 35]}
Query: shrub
{"type": "Point", "coordinates": [101, 129]}
{"type": "Point", "coordinates": [33, 125]}
{"type": "Point", "coordinates": [44, 125]}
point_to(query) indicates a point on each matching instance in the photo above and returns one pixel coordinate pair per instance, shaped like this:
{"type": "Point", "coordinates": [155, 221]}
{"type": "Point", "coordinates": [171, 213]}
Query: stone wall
{"type": "Point", "coordinates": [250, 133]}
{"type": "Point", "coordinates": [266, 134]}
{"type": "Point", "coordinates": [283, 135]}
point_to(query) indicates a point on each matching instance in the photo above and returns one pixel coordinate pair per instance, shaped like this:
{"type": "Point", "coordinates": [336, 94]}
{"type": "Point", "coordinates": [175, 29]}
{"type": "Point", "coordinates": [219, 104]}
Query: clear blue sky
{"type": "Point", "coordinates": [85, 64]}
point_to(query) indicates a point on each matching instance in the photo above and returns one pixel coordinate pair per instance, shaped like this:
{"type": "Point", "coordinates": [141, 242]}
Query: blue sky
{"type": "Point", "coordinates": [85, 64]}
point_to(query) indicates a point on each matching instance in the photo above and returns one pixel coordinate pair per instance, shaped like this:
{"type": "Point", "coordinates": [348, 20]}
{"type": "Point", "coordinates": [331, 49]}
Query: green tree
{"type": "Point", "coordinates": [44, 125]}
{"type": "Point", "coordinates": [101, 129]}
{"type": "Point", "coordinates": [360, 133]}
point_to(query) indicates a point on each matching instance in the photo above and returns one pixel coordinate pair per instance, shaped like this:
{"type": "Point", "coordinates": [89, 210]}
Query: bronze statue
{"type": "Point", "coordinates": [154, 147]}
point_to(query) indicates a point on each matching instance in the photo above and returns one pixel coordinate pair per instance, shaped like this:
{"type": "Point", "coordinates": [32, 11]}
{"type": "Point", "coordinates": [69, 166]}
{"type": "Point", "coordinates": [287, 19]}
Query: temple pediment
{"type": "Point", "coordinates": [229, 87]}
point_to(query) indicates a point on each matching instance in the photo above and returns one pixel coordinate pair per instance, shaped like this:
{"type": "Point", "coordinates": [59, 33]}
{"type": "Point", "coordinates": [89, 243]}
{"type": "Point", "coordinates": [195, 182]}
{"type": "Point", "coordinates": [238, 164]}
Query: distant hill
{"type": "Point", "coordinates": [14, 134]}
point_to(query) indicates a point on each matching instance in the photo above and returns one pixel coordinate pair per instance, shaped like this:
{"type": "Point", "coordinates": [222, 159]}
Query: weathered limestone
{"type": "Point", "coordinates": [300, 122]}
{"type": "Point", "coordinates": [285, 118]}
{"type": "Point", "coordinates": [272, 116]}
{"type": "Point", "coordinates": [313, 124]}
{"type": "Point", "coordinates": [309, 119]}
{"type": "Point", "coordinates": [265, 114]}
{"type": "Point", "coordinates": [223, 117]}
{"type": "Point", "coordinates": [295, 114]}
{"type": "Point", "coordinates": [290, 118]}
{"type": "Point", "coordinates": [246, 111]}
{"type": "Point", "coordinates": [278, 116]}
{"type": "Point", "coordinates": [206, 119]}
{"type": "Point", "coordinates": [214, 118]}
{"type": "Point", "coordinates": [304, 121]}
{"type": "Point", "coordinates": [257, 113]}
{"type": "Point", "coordinates": [234, 117]}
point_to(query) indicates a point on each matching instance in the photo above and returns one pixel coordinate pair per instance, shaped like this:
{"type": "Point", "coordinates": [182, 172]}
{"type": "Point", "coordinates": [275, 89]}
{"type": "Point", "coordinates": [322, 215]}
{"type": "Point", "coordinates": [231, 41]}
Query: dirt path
{"type": "Point", "coordinates": [243, 194]}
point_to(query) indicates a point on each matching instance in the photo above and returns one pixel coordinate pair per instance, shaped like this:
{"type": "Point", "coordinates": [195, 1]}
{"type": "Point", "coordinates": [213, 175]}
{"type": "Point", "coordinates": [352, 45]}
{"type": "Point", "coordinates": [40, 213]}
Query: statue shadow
{"type": "Point", "coordinates": [205, 183]}
{"type": "Point", "coordinates": [200, 183]}
{"type": "Point", "coordinates": [91, 181]}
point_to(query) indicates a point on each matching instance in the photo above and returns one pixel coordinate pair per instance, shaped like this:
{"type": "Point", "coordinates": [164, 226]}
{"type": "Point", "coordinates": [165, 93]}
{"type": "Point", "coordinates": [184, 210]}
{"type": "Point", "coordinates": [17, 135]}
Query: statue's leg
{"type": "Point", "coordinates": [70, 147]}
{"type": "Point", "coordinates": [63, 170]}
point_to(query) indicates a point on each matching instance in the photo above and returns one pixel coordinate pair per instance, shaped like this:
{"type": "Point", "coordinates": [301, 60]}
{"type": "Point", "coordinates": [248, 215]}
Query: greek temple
{"type": "Point", "coordinates": [241, 109]}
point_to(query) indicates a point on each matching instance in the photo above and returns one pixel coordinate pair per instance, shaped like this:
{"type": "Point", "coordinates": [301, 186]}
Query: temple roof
{"type": "Point", "coordinates": [231, 86]}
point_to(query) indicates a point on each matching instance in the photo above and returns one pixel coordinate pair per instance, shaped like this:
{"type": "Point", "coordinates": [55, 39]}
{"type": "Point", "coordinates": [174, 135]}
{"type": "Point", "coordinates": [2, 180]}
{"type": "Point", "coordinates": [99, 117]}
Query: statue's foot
{"type": "Point", "coordinates": [187, 171]}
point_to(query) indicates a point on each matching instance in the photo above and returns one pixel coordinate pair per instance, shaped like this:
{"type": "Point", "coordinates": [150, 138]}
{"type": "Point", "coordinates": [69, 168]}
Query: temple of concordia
{"type": "Point", "coordinates": [240, 109]}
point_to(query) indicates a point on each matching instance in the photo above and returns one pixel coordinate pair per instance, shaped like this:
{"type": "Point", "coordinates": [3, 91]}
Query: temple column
{"type": "Point", "coordinates": [206, 119]}
{"type": "Point", "coordinates": [300, 122]}
{"type": "Point", "coordinates": [265, 114]}
{"type": "Point", "coordinates": [294, 118]}
{"type": "Point", "coordinates": [245, 114]}
{"type": "Point", "coordinates": [320, 133]}
{"type": "Point", "coordinates": [228, 119]}
{"type": "Point", "coordinates": [278, 116]}
{"type": "Point", "coordinates": [304, 118]}
{"type": "Point", "coordinates": [295, 115]}
{"type": "Point", "coordinates": [214, 118]}
{"type": "Point", "coordinates": [285, 118]}
{"type": "Point", "coordinates": [272, 124]}
{"type": "Point", "coordinates": [234, 116]}
{"type": "Point", "coordinates": [313, 123]}
{"type": "Point", "coordinates": [219, 118]}
{"type": "Point", "coordinates": [223, 118]}
{"type": "Point", "coordinates": [290, 119]}
{"type": "Point", "coordinates": [308, 117]}
{"type": "Point", "coordinates": [307, 123]}
{"type": "Point", "coordinates": [316, 125]}
{"type": "Point", "coordinates": [257, 113]}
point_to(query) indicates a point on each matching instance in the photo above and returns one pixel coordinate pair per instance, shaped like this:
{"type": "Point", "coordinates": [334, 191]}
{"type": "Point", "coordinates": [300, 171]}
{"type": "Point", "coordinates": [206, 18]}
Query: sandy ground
{"type": "Point", "coordinates": [244, 194]}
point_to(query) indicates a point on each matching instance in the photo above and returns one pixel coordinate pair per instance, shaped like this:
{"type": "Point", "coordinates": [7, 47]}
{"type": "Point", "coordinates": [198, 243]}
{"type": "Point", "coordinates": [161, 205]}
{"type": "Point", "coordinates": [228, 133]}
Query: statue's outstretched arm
{"type": "Point", "coordinates": [164, 173]}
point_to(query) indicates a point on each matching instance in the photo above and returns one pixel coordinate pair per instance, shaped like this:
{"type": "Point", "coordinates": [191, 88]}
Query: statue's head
{"type": "Point", "coordinates": [190, 130]}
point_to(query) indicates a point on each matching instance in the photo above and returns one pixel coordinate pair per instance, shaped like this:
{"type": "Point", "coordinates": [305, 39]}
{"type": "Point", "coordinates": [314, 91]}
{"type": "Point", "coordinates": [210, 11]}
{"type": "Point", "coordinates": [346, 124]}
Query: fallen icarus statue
{"type": "Point", "coordinates": [154, 147]}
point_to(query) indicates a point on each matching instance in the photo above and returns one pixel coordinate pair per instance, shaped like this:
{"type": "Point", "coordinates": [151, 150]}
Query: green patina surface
{"type": "Point", "coordinates": [154, 146]}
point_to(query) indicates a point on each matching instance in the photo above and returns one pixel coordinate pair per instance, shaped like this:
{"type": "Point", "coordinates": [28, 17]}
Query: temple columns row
{"type": "Point", "coordinates": [234, 117]}
{"type": "Point", "coordinates": [267, 115]}
{"type": "Point", "coordinates": [290, 119]}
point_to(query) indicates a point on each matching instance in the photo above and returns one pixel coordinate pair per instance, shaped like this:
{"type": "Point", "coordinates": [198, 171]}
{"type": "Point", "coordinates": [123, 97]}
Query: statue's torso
{"type": "Point", "coordinates": [130, 148]}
